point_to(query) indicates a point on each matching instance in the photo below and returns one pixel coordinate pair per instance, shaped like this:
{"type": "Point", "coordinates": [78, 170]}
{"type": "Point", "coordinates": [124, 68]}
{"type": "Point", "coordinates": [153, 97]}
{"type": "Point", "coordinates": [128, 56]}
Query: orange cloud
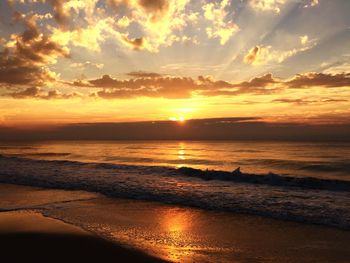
{"type": "Point", "coordinates": [148, 84]}
{"type": "Point", "coordinates": [319, 80]}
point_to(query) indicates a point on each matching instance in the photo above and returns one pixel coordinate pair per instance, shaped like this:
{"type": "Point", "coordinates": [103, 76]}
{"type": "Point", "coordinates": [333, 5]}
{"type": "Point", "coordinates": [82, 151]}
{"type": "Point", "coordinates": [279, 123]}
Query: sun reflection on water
{"type": "Point", "coordinates": [181, 153]}
{"type": "Point", "coordinates": [176, 223]}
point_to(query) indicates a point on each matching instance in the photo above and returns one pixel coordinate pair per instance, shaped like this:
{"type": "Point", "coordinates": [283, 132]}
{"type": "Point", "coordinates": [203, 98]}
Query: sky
{"type": "Point", "coordinates": [92, 61]}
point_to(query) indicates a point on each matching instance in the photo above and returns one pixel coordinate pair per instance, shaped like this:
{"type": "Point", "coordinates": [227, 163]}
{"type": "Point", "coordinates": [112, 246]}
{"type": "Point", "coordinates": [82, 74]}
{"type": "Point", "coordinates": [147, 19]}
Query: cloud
{"type": "Point", "coordinates": [267, 5]}
{"type": "Point", "coordinates": [313, 79]}
{"type": "Point", "coordinates": [28, 92]}
{"type": "Point", "coordinates": [65, 11]}
{"type": "Point", "coordinates": [143, 74]}
{"type": "Point", "coordinates": [90, 36]}
{"type": "Point", "coordinates": [123, 22]}
{"type": "Point", "coordinates": [161, 22]}
{"type": "Point", "coordinates": [304, 39]}
{"type": "Point", "coordinates": [311, 3]}
{"type": "Point", "coordinates": [155, 85]}
{"type": "Point", "coordinates": [256, 55]}
{"type": "Point", "coordinates": [144, 84]}
{"type": "Point", "coordinates": [148, 84]}
{"type": "Point", "coordinates": [135, 44]}
{"type": "Point", "coordinates": [336, 68]}
{"type": "Point", "coordinates": [134, 24]}
{"type": "Point", "coordinates": [217, 14]}
{"type": "Point", "coordinates": [61, 14]}
{"type": "Point", "coordinates": [303, 101]}
{"type": "Point", "coordinates": [168, 87]}
{"type": "Point", "coordinates": [157, 8]}
{"type": "Point", "coordinates": [262, 85]}
{"type": "Point", "coordinates": [38, 93]}
{"type": "Point", "coordinates": [261, 55]}
{"type": "Point", "coordinates": [25, 56]}
{"type": "Point", "coordinates": [258, 82]}
{"type": "Point", "coordinates": [87, 64]}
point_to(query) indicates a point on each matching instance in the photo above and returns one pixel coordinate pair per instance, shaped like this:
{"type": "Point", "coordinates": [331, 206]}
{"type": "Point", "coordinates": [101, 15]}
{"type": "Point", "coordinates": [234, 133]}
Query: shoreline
{"type": "Point", "coordinates": [176, 233]}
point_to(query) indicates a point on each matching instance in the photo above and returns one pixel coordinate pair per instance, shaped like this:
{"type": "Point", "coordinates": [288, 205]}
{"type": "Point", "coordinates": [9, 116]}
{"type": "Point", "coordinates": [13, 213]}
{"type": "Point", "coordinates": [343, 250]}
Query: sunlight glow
{"type": "Point", "coordinates": [179, 119]}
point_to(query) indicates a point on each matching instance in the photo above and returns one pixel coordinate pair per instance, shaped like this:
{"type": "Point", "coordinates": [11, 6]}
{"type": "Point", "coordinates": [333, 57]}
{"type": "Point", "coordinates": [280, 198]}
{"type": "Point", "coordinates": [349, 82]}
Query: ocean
{"type": "Point", "coordinates": [297, 181]}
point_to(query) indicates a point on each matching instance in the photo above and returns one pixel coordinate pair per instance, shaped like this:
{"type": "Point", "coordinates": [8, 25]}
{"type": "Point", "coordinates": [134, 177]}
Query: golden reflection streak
{"type": "Point", "coordinates": [176, 223]}
{"type": "Point", "coordinates": [181, 153]}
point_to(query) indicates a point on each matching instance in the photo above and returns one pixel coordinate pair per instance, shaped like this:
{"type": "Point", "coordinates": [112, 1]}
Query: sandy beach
{"type": "Point", "coordinates": [28, 236]}
{"type": "Point", "coordinates": [45, 223]}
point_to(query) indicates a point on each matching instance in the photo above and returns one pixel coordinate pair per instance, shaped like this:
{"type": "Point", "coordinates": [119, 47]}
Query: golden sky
{"type": "Point", "coordinates": [79, 61]}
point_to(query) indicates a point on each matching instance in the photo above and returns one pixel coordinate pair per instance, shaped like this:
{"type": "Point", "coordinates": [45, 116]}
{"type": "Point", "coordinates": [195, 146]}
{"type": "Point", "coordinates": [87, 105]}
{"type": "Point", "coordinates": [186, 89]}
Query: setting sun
{"type": "Point", "coordinates": [179, 119]}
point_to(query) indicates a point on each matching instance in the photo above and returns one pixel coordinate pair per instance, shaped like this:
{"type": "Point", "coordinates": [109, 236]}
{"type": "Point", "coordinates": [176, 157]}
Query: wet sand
{"type": "Point", "coordinates": [174, 233]}
{"type": "Point", "coordinates": [28, 236]}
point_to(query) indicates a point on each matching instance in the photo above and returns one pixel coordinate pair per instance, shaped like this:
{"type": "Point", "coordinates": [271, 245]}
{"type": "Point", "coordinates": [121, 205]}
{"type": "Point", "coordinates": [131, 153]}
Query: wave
{"type": "Point", "coordinates": [268, 179]}
{"type": "Point", "coordinates": [334, 166]}
{"type": "Point", "coordinates": [310, 200]}
{"type": "Point", "coordinates": [235, 176]}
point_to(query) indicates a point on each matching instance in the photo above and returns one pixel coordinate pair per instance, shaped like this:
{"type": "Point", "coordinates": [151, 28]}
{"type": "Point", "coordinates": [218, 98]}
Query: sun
{"type": "Point", "coordinates": [178, 119]}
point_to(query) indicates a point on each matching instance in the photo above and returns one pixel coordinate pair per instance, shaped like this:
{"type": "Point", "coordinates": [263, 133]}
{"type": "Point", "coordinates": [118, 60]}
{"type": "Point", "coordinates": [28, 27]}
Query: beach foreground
{"type": "Point", "coordinates": [31, 237]}
{"type": "Point", "coordinates": [48, 224]}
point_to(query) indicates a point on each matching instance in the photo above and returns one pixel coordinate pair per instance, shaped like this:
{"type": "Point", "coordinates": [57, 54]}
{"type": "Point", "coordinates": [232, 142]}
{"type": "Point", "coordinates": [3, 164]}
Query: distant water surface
{"type": "Point", "coordinates": [320, 160]}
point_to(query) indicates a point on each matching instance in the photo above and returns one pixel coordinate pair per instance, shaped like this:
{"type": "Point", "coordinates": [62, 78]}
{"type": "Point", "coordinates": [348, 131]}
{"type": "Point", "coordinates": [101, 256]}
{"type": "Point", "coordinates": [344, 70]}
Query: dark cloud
{"type": "Point", "coordinates": [16, 71]}
{"type": "Point", "coordinates": [61, 17]}
{"type": "Point", "coordinates": [80, 83]}
{"type": "Point", "coordinates": [210, 83]}
{"type": "Point", "coordinates": [157, 8]}
{"type": "Point", "coordinates": [252, 55]}
{"type": "Point", "coordinates": [319, 80]}
{"type": "Point", "coordinates": [143, 74]}
{"type": "Point", "coordinates": [154, 5]}
{"type": "Point", "coordinates": [169, 87]}
{"type": "Point", "coordinates": [135, 44]}
{"type": "Point", "coordinates": [106, 82]}
{"type": "Point", "coordinates": [24, 61]}
{"type": "Point", "coordinates": [37, 93]}
{"type": "Point", "coordinates": [155, 85]}
{"type": "Point", "coordinates": [258, 82]}
{"type": "Point", "coordinates": [28, 92]}
{"type": "Point", "coordinates": [259, 85]}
